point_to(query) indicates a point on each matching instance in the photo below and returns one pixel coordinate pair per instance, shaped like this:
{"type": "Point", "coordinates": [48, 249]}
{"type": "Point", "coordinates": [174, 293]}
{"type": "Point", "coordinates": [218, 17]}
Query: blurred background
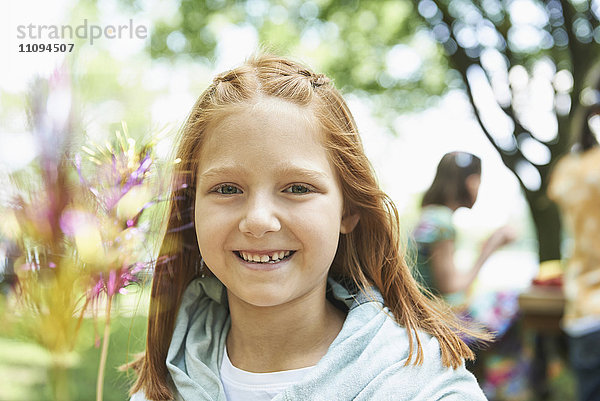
{"type": "Point", "coordinates": [507, 80]}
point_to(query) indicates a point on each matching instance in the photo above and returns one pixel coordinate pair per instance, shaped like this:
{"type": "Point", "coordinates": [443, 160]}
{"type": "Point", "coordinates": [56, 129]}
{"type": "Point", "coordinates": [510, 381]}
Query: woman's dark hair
{"type": "Point", "coordinates": [450, 183]}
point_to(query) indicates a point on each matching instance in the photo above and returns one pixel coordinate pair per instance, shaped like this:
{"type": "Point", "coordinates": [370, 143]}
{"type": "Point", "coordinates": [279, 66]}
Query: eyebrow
{"type": "Point", "coordinates": [282, 170]}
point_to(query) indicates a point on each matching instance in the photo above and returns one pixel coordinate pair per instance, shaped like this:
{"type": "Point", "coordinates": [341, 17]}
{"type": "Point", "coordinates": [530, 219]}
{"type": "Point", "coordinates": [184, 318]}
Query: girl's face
{"type": "Point", "coordinates": [268, 209]}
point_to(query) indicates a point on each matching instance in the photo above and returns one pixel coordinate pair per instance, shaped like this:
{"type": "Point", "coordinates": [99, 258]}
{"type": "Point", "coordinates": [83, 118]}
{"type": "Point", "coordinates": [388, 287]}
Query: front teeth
{"type": "Point", "coordinates": [275, 257]}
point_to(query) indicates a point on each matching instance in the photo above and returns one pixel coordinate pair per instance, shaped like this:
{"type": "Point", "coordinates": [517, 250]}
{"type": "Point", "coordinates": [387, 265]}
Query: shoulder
{"type": "Point", "coordinates": [399, 376]}
{"type": "Point", "coordinates": [368, 361]}
{"type": "Point", "coordinates": [574, 176]}
{"type": "Point", "coordinates": [435, 224]}
{"type": "Point", "coordinates": [427, 380]}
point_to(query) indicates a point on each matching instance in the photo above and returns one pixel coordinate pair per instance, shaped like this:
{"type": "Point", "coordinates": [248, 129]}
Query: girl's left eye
{"type": "Point", "coordinates": [298, 189]}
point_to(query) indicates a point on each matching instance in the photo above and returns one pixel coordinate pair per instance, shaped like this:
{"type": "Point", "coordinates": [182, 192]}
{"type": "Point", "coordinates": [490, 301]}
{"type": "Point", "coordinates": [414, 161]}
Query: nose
{"type": "Point", "coordinates": [259, 217]}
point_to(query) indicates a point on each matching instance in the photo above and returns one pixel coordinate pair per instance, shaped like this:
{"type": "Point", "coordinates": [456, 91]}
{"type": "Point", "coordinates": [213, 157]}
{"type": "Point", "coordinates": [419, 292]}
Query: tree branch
{"type": "Point", "coordinates": [462, 62]}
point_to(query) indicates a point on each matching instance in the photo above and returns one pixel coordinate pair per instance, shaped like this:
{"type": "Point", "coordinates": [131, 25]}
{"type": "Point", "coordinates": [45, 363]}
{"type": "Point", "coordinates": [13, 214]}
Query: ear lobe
{"type": "Point", "coordinates": [348, 223]}
{"type": "Point", "coordinates": [471, 182]}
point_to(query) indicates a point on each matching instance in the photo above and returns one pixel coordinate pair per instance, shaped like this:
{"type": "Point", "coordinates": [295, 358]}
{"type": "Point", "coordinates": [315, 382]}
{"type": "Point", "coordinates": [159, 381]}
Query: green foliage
{"type": "Point", "coordinates": [525, 53]}
{"type": "Point", "coordinates": [24, 365]}
{"type": "Point", "coordinates": [349, 40]}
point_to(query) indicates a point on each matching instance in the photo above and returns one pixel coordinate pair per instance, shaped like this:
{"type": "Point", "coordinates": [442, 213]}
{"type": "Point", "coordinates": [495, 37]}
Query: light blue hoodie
{"type": "Point", "coordinates": [364, 362]}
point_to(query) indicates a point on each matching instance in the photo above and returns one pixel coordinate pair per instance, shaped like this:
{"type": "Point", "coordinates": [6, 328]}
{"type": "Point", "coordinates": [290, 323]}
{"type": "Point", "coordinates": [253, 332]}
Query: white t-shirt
{"type": "Point", "coordinates": [241, 385]}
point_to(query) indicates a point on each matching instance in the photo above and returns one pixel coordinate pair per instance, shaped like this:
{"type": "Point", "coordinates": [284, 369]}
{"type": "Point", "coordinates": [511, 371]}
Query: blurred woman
{"type": "Point", "coordinates": [575, 186]}
{"type": "Point", "coordinates": [456, 184]}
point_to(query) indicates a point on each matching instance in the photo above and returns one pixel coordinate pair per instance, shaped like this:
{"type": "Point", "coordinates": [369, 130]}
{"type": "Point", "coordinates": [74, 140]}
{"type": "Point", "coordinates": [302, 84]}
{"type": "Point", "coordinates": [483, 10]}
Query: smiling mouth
{"type": "Point", "coordinates": [272, 257]}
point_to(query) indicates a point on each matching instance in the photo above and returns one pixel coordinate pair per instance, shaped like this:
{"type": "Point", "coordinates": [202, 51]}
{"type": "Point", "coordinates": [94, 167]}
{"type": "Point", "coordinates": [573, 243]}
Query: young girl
{"type": "Point", "coordinates": [280, 274]}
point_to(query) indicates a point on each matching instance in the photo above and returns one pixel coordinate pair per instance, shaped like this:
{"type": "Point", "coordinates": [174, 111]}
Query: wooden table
{"type": "Point", "coordinates": [542, 309]}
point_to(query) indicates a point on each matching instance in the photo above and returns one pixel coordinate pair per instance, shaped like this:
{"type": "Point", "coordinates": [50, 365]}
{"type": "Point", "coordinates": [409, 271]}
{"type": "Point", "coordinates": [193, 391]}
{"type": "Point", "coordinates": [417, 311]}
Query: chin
{"type": "Point", "coordinates": [261, 299]}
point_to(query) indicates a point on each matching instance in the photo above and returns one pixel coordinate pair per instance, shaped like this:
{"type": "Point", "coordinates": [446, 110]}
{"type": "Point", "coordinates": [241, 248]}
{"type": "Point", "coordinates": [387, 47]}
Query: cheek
{"type": "Point", "coordinates": [320, 230]}
{"type": "Point", "coordinates": [209, 229]}
{"type": "Point", "coordinates": [205, 241]}
{"type": "Point", "coordinates": [211, 245]}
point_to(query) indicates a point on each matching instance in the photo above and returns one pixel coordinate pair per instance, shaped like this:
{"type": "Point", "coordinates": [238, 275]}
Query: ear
{"type": "Point", "coordinates": [473, 182]}
{"type": "Point", "coordinates": [349, 222]}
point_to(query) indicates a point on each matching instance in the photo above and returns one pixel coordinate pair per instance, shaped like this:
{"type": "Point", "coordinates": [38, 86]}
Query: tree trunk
{"type": "Point", "coordinates": [546, 219]}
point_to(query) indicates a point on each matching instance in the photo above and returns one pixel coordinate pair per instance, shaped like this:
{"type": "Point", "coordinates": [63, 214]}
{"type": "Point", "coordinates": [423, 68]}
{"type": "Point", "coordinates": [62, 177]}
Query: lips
{"type": "Point", "coordinates": [264, 257]}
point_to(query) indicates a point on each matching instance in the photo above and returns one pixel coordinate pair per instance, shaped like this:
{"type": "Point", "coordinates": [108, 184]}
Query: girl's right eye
{"type": "Point", "coordinates": [227, 189]}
